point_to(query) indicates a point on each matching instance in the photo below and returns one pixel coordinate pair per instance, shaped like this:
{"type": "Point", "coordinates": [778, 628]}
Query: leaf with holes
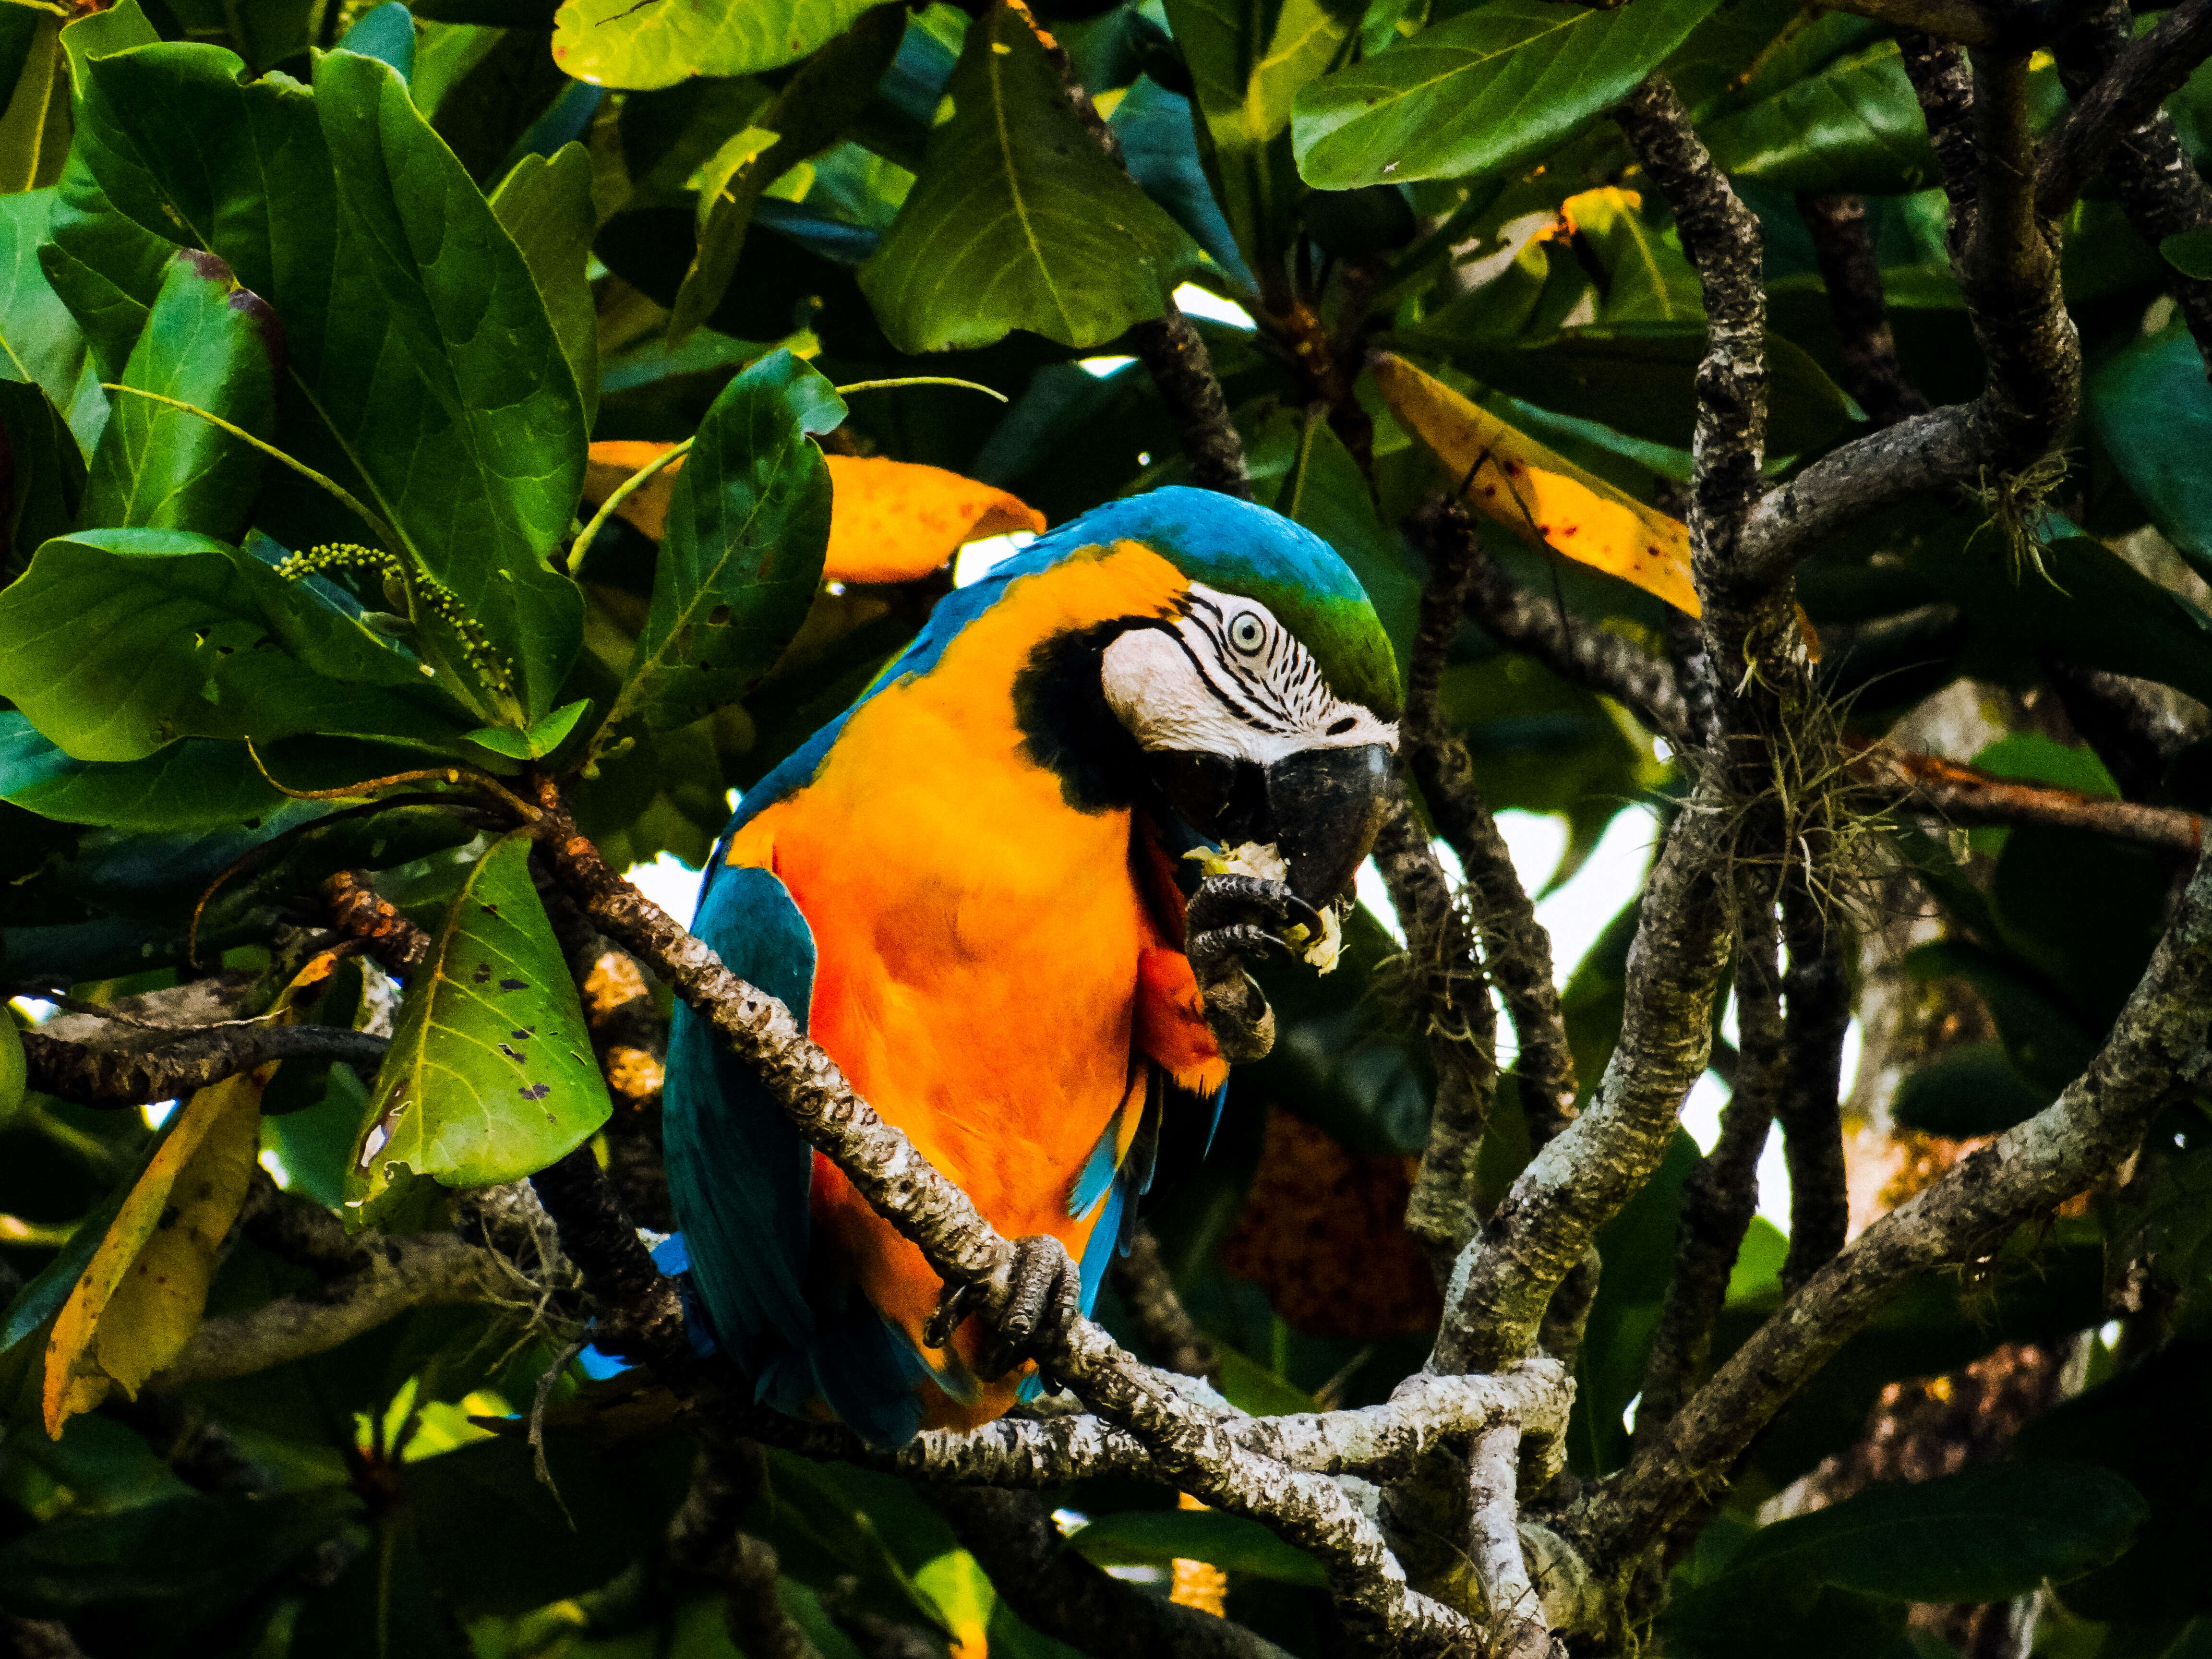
{"type": "Point", "coordinates": [1482, 94]}
{"type": "Point", "coordinates": [490, 1075]}
{"type": "Point", "coordinates": [748, 521]}
{"type": "Point", "coordinates": [1018, 218]}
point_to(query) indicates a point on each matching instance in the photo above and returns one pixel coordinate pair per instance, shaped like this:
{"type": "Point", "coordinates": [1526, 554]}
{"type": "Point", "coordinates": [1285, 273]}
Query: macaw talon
{"type": "Point", "coordinates": [1219, 898]}
{"type": "Point", "coordinates": [1211, 952]}
{"type": "Point", "coordinates": [1043, 1298]}
{"type": "Point", "coordinates": [953, 1306]}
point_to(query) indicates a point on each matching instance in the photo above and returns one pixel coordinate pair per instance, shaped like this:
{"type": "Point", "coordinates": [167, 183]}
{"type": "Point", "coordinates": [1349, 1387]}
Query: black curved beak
{"type": "Point", "coordinates": [1328, 805]}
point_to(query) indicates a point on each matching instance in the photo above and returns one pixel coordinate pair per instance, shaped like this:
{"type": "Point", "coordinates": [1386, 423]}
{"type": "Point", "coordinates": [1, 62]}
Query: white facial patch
{"type": "Point", "coordinates": [1227, 679]}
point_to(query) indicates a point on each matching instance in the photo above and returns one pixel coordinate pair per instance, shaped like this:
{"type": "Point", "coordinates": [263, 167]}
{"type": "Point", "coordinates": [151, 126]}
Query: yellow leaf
{"type": "Point", "coordinates": [889, 522]}
{"type": "Point", "coordinates": [1512, 478]}
{"type": "Point", "coordinates": [141, 1298]}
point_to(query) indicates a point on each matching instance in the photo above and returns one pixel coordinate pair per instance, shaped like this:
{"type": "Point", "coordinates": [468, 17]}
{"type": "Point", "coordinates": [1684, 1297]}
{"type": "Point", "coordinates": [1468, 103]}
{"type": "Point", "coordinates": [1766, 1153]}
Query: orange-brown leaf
{"type": "Point", "coordinates": [1509, 477]}
{"type": "Point", "coordinates": [889, 522]}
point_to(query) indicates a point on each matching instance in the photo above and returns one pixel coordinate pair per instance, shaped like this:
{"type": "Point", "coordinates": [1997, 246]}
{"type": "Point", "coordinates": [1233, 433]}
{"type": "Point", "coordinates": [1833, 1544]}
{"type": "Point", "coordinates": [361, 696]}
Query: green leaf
{"type": "Point", "coordinates": [1853, 126]}
{"type": "Point", "coordinates": [432, 380]}
{"type": "Point", "coordinates": [2189, 252]}
{"type": "Point", "coordinates": [117, 643]}
{"type": "Point", "coordinates": [45, 475]}
{"type": "Point", "coordinates": [14, 1069]}
{"type": "Point", "coordinates": [1969, 1090]}
{"type": "Point", "coordinates": [211, 343]}
{"type": "Point", "coordinates": [35, 125]}
{"type": "Point", "coordinates": [658, 43]}
{"type": "Point", "coordinates": [540, 740]}
{"type": "Point", "coordinates": [748, 524]}
{"type": "Point", "coordinates": [119, 29]}
{"type": "Point", "coordinates": [814, 109]}
{"type": "Point", "coordinates": [200, 783]}
{"type": "Point", "coordinates": [545, 204]}
{"type": "Point", "coordinates": [1246, 67]}
{"type": "Point", "coordinates": [1483, 93]}
{"type": "Point", "coordinates": [1156, 1537]}
{"type": "Point", "coordinates": [2153, 410]}
{"type": "Point", "coordinates": [490, 1075]}
{"type": "Point", "coordinates": [1982, 1534]}
{"type": "Point", "coordinates": [478, 455]}
{"type": "Point", "coordinates": [1018, 218]}
{"type": "Point", "coordinates": [40, 343]}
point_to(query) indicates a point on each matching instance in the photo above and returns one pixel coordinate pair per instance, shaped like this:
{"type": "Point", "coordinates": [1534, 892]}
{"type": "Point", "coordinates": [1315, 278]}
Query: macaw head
{"type": "Point", "coordinates": [1265, 705]}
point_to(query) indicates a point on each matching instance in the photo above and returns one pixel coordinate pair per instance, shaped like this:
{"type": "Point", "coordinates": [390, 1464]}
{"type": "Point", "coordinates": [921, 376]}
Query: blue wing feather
{"type": "Point", "coordinates": [738, 1173]}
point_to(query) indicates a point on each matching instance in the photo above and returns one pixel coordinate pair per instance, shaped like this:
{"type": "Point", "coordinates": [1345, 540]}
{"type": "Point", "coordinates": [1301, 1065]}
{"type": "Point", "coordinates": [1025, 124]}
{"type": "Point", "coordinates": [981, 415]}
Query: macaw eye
{"type": "Point", "coordinates": [1247, 635]}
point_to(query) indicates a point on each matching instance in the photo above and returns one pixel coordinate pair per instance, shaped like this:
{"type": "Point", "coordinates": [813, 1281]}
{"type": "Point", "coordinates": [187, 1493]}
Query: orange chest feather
{"type": "Point", "coordinates": [978, 939]}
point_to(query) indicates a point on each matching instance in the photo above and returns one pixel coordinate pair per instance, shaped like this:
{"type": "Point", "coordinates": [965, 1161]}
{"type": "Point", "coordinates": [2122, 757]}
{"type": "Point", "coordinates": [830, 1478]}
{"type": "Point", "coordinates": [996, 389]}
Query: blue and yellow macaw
{"type": "Point", "coordinates": [965, 888]}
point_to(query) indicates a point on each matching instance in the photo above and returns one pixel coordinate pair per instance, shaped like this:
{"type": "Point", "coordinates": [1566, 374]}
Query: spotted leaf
{"type": "Point", "coordinates": [490, 1075]}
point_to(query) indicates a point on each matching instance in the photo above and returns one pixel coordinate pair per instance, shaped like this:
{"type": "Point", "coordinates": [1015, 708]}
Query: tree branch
{"type": "Point", "coordinates": [2155, 183]}
{"type": "Point", "coordinates": [2156, 1048]}
{"type": "Point", "coordinates": [1516, 1627]}
{"type": "Point", "coordinates": [1967, 797]}
{"type": "Point", "coordinates": [1845, 253]}
{"type": "Point", "coordinates": [2007, 269]}
{"type": "Point", "coordinates": [1517, 951]}
{"type": "Point", "coordinates": [1606, 663]}
{"type": "Point", "coordinates": [2118, 104]}
{"type": "Point", "coordinates": [1818, 994]}
{"type": "Point", "coordinates": [191, 1059]}
{"type": "Point", "coordinates": [1148, 1292]}
{"type": "Point", "coordinates": [399, 1272]}
{"type": "Point", "coordinates": [358, 911]}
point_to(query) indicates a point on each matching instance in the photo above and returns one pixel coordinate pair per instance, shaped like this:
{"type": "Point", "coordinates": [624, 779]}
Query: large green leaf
{"type": "Point", "coordinates": [1982, 1534]}
{"type": "Point", "coordinates": [658, 43]}
{"type": "Point", "coordinates": [1247, 60]}
{"type": "Point", "coordinates": [1853, 126]}
{"type": "Point", "coordinates": [748, 523]}
{"type": "Point", "coordinates": [45, 475]}
{"type": "Point", "coordinates": [1156, 1537]}
{"type": "Point", "coordinates": [1482, 94]}
{"type": "Point", "coordinates": [491, 1075]}
{"type": "Point", "coordinates": [200, 783]}
{"type": "Point", "coordinates": [41, 343]}
{"type": "Point", "coordinates": [217, 346]}
{"type": "Point", "coordinates": [2152, 409]}
{"type": "Point", "coordinates": [431, 380]}
{"type": "Point", "coordinates": [814, 108]}
{"type": "Point", "coordinates": [1018, 218]}
{"type": "Point", "coordinates": [545, 204]}
{"type": "Point", "coordinates": [477, 455]}
{"type": "Point", "coordinates": [117, 643]}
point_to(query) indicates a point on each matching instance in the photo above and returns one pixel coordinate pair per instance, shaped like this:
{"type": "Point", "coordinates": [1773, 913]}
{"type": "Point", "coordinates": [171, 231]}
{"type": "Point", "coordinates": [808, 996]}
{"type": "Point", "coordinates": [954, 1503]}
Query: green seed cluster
{"type": "Point", "coordinates": [424, 593]}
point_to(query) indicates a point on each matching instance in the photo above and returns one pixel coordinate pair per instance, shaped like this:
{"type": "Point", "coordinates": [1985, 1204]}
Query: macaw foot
{"type": "Point", "coordinates": [1221, 932]}
{"type": "Point", "coordinates": [1044, 1296]}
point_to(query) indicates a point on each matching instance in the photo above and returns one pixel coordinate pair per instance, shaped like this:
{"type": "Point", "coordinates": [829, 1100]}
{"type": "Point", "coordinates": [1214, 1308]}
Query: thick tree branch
{"type": "Point", "coordinates": [399, 1272]}
{"type": "Point", "coordinates": [1060, 1594]}
{"type": "Point", "coordinates": [1962, 20]}
{"type": "Point", "coordinates": [1515, 1625]}
{"type": "Point", "coordinates": [1721, 1195]}
{"type": "Point", "coordinates": [359, 912]}
{"type": "Point", "coordinates": [2122, 99]}
{"type": "Point", "coordinates": [191, 1059]}
{"type": "Point", "coordinates": [2007, 269]}
{"type": "Point", "coordinates": [1817, 990]}
{"type": "Point", "coordinates": [2155, 1050]}
{"type": "Point", "coordinates": [2160, 190]}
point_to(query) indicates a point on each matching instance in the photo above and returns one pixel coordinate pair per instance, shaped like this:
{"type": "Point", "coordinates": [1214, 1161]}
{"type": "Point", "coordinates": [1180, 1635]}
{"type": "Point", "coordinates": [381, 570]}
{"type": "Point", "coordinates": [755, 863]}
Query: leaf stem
{"type": "Point", "coordinates": [621, 493]}
{"type": "Point", "coordinates": [484, 780]}
{"type": "Point", "coordinates": [922, 380]}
